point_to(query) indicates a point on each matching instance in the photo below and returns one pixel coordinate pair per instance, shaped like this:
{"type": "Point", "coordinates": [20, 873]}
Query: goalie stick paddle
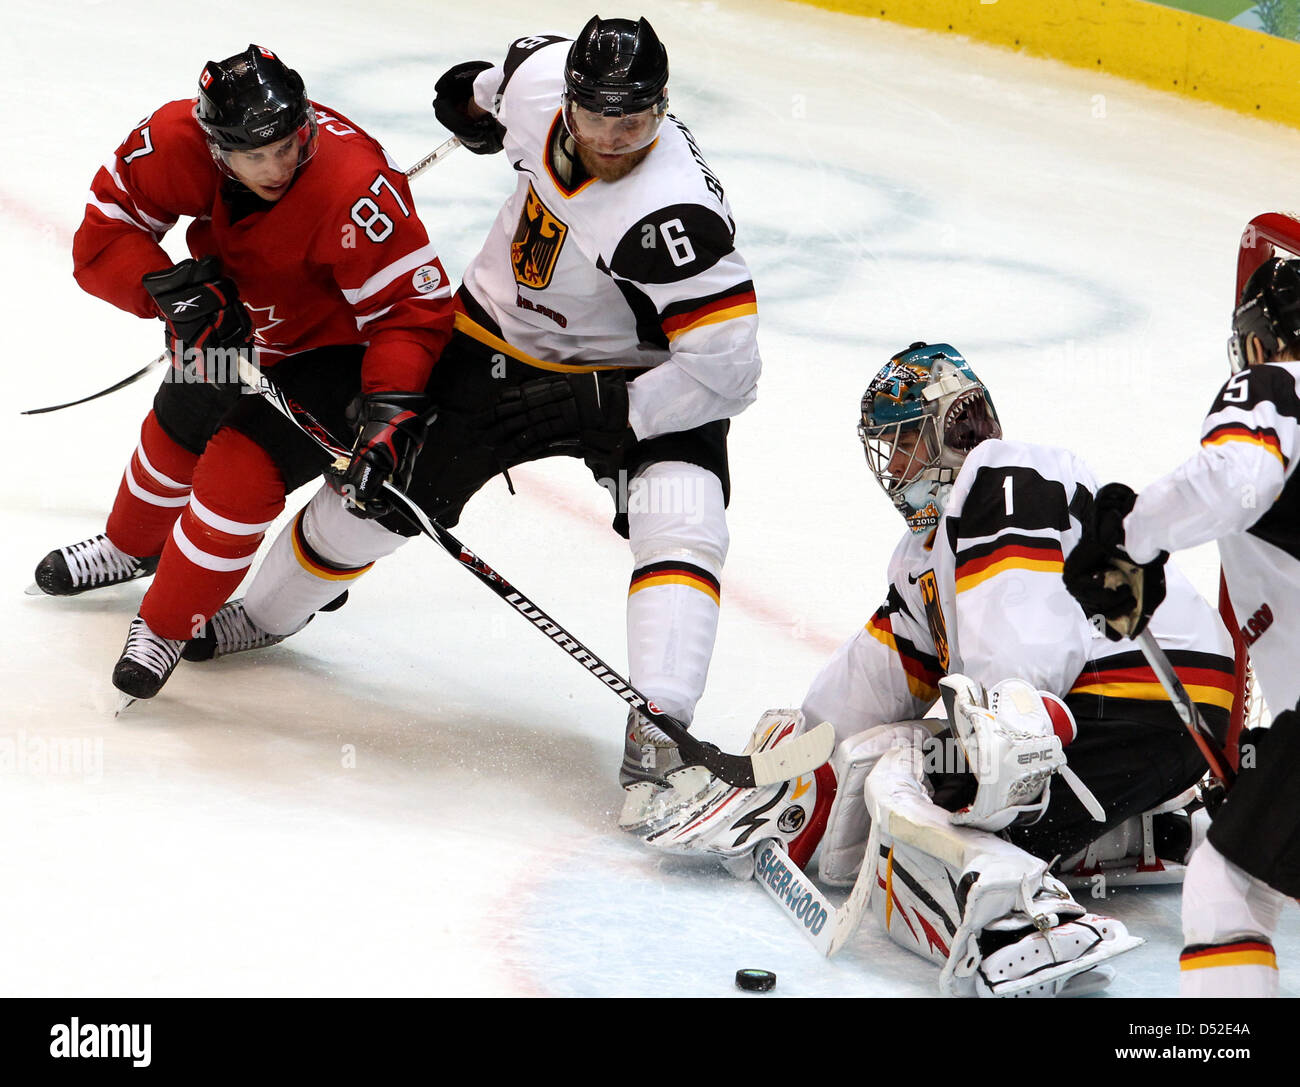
{"type": "Point", "coordinates": [436, 155]}
{"type": "Point", "coordinates": [800, 756]}
{"type": "Point", "coordinates": [1218, 762]}
{"type": "Point", "coordinates": [798, 897]}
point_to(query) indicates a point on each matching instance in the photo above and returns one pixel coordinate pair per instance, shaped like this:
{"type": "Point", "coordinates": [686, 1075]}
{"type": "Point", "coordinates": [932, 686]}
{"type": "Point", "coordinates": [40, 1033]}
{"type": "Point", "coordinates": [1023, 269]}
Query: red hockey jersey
{"type": "Point", "coordinates": [341, 258]}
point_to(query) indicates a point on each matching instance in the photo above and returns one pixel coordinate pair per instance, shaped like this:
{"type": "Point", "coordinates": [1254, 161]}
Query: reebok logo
{"type": "Point", "coordinates": [186, 303]}
{"type": "Point", "coordinates": [112, 1040]}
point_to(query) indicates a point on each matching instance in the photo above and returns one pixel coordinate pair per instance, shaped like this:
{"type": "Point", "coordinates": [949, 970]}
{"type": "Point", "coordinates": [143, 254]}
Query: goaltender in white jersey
{"type": "Point", "coordinates": [1242, 489]}
{"type": "Point", "coordinates": [1061, 741]}
{"type": "Point", "coordinates": [609, 317]}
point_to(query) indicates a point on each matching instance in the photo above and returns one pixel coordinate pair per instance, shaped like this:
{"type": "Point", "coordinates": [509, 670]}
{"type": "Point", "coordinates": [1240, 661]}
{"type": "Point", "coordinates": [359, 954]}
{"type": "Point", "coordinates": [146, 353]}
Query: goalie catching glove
{"type": "Point", "coordinates": [558, 414]}
{"type": "Point", "coordinates": [1013, 741]}
{"type": "Point", "coordinates": [390, 434]}
{"type": "Point", "coordinates": [1101, 575]}
{"type": "Point", "coordinates": [202, 312]}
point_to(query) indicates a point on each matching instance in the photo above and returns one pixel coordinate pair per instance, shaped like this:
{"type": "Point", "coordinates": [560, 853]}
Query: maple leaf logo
{"type": "Point", "coordinates": [264, 319]}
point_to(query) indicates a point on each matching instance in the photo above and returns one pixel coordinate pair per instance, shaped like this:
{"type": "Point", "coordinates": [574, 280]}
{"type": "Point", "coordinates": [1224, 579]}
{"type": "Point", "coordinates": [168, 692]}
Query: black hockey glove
{"type": "Point", "coordinates": [203, 315]}
{"type": "Point", "coordinates": [1101, 576]}
{"type": "Point", "coordinates": [564, 413]}
{"type": "Point", "coordinates": [453, 93]}
{"type": "Point", "coordinates": [390, 434]}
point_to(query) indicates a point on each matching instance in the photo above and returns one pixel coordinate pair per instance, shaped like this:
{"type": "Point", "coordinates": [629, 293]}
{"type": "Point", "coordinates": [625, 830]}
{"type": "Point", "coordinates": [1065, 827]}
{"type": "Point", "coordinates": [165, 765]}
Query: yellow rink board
{"type": "Point", "coordinates": [1204, 58]}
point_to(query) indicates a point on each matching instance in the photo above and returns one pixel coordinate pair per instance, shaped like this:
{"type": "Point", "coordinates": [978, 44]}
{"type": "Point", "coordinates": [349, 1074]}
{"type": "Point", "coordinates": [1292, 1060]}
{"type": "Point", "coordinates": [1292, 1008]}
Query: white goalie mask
{"type": "Point", "coordinates": [921, 415]}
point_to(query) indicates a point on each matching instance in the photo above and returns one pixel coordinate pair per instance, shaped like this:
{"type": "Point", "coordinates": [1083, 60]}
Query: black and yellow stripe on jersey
{"type": "Point", "coordinates": [1010, 551]}
{"type": "Point", "coordinates": [1209, 678]}
{"type": "Point", "coordinates": [681, 317]}
{"type": "Point", "coordinates": [922, 669]}
{"type": "Point", "coordinates": [1265, 437]}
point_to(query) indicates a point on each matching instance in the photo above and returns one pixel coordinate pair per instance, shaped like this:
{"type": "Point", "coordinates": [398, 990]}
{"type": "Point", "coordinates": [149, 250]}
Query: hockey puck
{"type": "Point", "coordinates": [755, 981]}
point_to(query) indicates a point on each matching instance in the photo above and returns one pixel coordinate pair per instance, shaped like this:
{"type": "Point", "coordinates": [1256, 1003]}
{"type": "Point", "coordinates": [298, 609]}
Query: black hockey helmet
{"type": "Point", "coordinates": [616, 67]}
{"type": "Point", "coordinates": [252, 99]}
{"type": "Point", "coordinates": [1269, 308]}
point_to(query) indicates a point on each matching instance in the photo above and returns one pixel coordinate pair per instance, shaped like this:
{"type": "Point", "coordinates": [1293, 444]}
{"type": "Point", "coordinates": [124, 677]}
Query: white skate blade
{"type": "Point", "coordinates": [802, 755]}
{"type": "Point", "coordinates": [33, 590]}
{"type": "Point", "coordinates": [123, 701]}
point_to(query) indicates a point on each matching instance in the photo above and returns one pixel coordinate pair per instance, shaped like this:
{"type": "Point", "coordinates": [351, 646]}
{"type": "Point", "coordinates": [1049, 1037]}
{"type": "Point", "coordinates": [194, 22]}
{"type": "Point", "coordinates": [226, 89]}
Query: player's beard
{"type": "Point", "coordinates": [610, 167]}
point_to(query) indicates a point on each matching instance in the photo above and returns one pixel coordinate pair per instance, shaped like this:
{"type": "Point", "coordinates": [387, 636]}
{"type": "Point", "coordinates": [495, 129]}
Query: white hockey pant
{"type": "Point", "coordinates": [677, 529]}
{"type": "Point", "coordinates": [1228, 922]}
{"type": "Point", "coordinates": [313, 559]}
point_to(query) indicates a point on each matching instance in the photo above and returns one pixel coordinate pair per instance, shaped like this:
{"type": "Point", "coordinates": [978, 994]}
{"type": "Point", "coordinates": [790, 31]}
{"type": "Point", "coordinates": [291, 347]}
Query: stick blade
{"type": "Point", "coordinates": [802, 755]}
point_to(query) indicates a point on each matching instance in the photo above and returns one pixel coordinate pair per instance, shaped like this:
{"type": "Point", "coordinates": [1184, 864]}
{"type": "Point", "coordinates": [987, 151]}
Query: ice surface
{"type": "Point", "coordinates": [417, 795]}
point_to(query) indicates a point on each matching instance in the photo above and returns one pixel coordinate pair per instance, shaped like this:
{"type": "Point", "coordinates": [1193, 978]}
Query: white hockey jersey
{"type": "Point", "coordinates": [640, 272]}
{"type": "Point", "coordinates": [1242, 489]}
{"type": "Point", "coordinates": [983, 596]}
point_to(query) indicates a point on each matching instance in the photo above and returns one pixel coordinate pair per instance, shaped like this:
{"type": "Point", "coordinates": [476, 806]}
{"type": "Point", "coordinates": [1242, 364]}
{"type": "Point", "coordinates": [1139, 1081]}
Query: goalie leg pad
{"type": "Point", "coordinates": [984, 910]}
{"type": "Point", "coordinates": [848, 825]}
{"type": "Point", "coordinates": [313, 559]}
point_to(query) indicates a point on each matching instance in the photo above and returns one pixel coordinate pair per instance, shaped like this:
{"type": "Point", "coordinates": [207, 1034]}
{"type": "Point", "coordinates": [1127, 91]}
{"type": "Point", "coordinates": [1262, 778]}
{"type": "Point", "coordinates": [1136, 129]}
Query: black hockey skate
{"type": "Point", "coordinates": [147, 660]}
{"type": "Point", "coordinates": [90, 564]}
{"type": "Point", "coordinates": [232, 631]}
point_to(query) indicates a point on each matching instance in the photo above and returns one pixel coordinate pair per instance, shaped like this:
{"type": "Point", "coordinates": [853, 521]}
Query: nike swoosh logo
{"type": "Point", "coordinates": [519, 165]}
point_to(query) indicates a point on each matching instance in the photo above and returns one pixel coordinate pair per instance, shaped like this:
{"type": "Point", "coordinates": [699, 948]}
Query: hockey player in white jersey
{"type": "Point", "coordinates": [609, 317]}
{"type": "Point", "coordinates": [1241, 489]}
{"type": "Point", "coordinates": [1062, 744]}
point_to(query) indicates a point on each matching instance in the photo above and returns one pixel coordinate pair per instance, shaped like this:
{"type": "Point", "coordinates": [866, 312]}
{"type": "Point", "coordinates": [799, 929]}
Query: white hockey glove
{"type": "Point", "coordinates": [727, 822]}
{"type": "Point", "coordinates": [1013, 742]}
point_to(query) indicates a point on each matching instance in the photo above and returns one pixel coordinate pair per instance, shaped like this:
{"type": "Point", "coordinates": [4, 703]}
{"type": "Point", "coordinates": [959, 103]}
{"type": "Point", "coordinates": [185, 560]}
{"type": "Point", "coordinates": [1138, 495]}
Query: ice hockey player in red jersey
{"type": "Point", "coordinates": [609, 317]}
{"type": "Point", "coordinates": [309, 256]}
{"type": "Point", "coordinates": [1241, 489]}
{"type": "Point", "coordinates": [1057, 743]}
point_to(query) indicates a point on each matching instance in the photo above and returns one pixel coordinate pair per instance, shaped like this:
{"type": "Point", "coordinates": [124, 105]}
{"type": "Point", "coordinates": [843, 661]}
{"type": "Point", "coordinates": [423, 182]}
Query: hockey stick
{"type": "Point", "coordinates": [102, 392]}
{"type": "Point", "coordinates": [1218, 762]}
{"type": "Point", "coordinates": [436, 155]}
{"type": "Point", "coordinates": [800, 756]}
